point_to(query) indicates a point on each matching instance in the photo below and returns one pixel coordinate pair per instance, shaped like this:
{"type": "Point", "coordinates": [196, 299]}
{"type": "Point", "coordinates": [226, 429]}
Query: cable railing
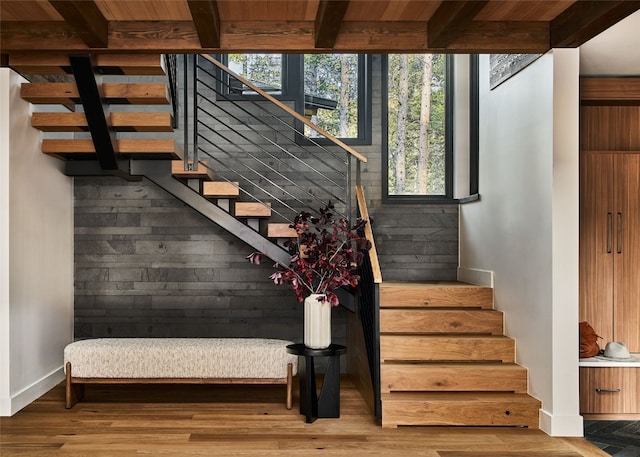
{"type": "Point", "coordinates": [259, 141]}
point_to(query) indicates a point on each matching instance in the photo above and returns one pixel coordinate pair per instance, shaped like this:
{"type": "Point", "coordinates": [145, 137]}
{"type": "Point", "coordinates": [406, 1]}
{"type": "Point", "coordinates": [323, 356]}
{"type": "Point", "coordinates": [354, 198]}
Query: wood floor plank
{"type": "Point", "coordinates": [229, 421]}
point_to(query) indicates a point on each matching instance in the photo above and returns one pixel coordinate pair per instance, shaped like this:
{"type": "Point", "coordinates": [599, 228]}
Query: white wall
{"type": "Point", "coordinates": [525, 227]}
{"type": "Point", "coordinates": [615, 52]}
{"type": "Point", "coordinates": [36, 287]}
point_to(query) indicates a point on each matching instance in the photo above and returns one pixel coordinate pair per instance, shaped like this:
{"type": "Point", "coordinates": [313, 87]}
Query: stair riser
{"type": "Point", "coordinates": [436, 297]}
{"type": "Point", "coordinates": [441, 321]}
{"type": "Point", "coordinates": [410, 348]}
{"type": "Point", "coordinates": [502, 413]}
{"type": "Point", "coordinates": [473, 378]}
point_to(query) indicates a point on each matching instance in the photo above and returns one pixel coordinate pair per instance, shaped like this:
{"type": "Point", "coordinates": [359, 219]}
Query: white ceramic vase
{"type": "Point", "coordinates": [317, 322]}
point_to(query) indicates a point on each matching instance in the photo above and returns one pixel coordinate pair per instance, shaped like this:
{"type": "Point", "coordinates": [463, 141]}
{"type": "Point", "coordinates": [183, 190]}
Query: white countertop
{"type": "Point", "coordinates": [596, 362]}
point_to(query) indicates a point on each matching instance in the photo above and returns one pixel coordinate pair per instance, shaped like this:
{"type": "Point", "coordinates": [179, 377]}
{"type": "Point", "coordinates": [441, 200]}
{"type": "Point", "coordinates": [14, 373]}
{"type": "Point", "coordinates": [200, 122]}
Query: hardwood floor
{"type": "Point", "coordinates": [201, 420]}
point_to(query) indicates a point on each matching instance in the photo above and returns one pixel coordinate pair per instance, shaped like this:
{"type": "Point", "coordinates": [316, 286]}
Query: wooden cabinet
{"type": "Point", "coordinates": [610, 239]}
{"type": "Point", "coordinates": [609, 390]}
{"type": "Point", "coordinates": [610, 245]}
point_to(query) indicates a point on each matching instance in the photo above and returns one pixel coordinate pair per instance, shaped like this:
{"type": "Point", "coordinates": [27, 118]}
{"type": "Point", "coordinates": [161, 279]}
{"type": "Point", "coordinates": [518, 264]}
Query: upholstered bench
{"type": "Point", "coordinates": [177, 361]}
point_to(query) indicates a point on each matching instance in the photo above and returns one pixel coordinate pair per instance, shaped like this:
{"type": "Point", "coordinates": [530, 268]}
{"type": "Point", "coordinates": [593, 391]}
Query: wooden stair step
{"type": "Point", "coordinates": [281, 230]}
{"type": "Point", "coordinates": [119, 121]}
{"type": "Point", "coordinates": [59, 122]}
{"type": "Point", "coordinates": [462, 377]}
{"type": "Point", "coordinates": [434, 295]}
{"type": "Point", "coordinates": [114, 93]}
{"type": "Point", "coordinates": [460, 409]}
{"type": "Point", "coordinates": [446, 348]}
{"type": "Point", "coordinates": [203, 171]}
{"type": "Point", "coordinates": [124, 121]}
{"type": "Point", "coordinates": [477, 321]}
{"type": "Point", "coordinates": [221, 189]}
{"type": "Point", "coordinates": [107, 64]}
{"type": "Point", "coordinates": [252, 210]}
{"type": "Point", "coordinates": [142, 148]}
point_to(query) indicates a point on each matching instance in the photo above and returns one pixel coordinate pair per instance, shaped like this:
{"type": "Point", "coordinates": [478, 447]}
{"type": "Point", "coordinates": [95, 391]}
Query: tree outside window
{"type": "Point", "coordinates": [263, 70]}
{"type": "Point", "coordinates": [417, 149]}
{"type": "Point", "coordinates": [331, 93]}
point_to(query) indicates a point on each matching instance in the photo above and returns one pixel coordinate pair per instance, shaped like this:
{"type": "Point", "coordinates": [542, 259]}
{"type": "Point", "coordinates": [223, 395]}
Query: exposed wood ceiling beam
{"type": "Point", "coordinates": [451, 20]}
{"type": "Point", "coordinates": [181, 37]}
{"type": "Point", "coordinates": [328, 21]}
{"type": "Point", "coordinates": [103, 139]}
{"type": "Point", "coordinates": [207, 22]}
{"type": "Point", "coordinates": [586, 19]}
{"type": "Point", "coordinates": [86, 20]}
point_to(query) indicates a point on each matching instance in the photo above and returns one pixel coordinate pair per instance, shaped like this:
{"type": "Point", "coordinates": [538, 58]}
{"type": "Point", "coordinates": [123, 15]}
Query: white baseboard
{"type": "Point", "coordinates": [561, 425]}
{"type": "Point", "coordinates": [476, 276]}
{"type": "Point", "coordinates": [10, 406]}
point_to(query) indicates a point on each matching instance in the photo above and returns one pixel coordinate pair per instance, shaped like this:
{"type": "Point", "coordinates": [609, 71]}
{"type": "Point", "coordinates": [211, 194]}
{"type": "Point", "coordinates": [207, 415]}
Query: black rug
{"type": "Point", "coordinates": [617, 438]}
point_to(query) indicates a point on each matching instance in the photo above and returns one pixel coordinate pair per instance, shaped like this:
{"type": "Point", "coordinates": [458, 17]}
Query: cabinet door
{"type": "Point", "coordinates": [597, 242]}
{"type": "Point", "coordinates": [626, 294]}
{"type": "Point", "coordinates": [609, 390]}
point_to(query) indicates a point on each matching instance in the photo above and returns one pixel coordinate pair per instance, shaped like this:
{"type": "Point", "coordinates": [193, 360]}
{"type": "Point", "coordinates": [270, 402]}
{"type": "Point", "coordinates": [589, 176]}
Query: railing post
{"type": "Point", "coordinates": [185, 104]}
{"type": "Point", "coordinates": [196, 154]}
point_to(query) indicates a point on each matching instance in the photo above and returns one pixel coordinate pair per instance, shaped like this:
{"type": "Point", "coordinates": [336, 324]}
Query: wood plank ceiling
{"type": "Point", "coordinates": [186, 26]}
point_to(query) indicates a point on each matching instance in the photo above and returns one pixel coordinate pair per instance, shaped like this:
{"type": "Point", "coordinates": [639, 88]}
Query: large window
{"type": "Point", "coordinates": [332, 90]}
{"type": "Point", "coordinates": [418, 136]}
{"type": "Point", "coordinates": [263, 70]}
{"type": "Point", "coordinates": [331, 93]}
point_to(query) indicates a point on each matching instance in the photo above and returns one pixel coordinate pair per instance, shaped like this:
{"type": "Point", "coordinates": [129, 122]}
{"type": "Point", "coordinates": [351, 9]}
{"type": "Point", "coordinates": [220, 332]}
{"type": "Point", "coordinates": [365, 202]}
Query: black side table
{"type": "Point", "coordinates": [327, 404]}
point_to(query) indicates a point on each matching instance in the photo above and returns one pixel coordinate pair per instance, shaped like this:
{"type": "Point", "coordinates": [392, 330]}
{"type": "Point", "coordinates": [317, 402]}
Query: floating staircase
{"type": "Point", "coordinates": [146, 119]}
{"type": "Point", "coordinates": [444, 359]}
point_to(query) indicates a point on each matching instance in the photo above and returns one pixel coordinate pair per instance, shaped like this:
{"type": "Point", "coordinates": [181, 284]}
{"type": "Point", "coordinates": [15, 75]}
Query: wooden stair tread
{"type": "Point", "coordinates": [460, 409]}
{"type": "Point", "coordinates": [464, 377]}
{"type": "Point", "coordinates": [156, 148]}
{"type": "Point", "coordinates": [123, 121]}
{"type": "Point", "coordinates": [107, 64]}
{"type": "Point", "coordinates": [114, 93]}
{"type": "Point", "coordinates": [479, 321]}
{"type": "Point", "coordinates": [221, 189]}
{"type": "Point", "coordinates": [447, 348]}
{"type": "Point", "coordinates": [437, 294]}
{"type": "Point", "coordinates": [59, 122]}
{"type": "Point", "coordinates": [281, 230]}
{"type": "Point", "coordinates": [459, 397]}
{"type": "Point", "coordinates": [252, 209]}
{"type": "Point", "coordinates": [119, 121]}
{"type": "Point", "coordinates": [203, 172]}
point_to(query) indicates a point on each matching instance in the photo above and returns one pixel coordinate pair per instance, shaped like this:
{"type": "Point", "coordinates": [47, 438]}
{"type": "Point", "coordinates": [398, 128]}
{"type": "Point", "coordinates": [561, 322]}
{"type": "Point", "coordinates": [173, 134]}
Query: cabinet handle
{"type": "Point", "coordinates": [609, 232]}
{"type": "Point", "coordinates": [608, 390]}
{"type": "Point", "coordinates": [619, 233]}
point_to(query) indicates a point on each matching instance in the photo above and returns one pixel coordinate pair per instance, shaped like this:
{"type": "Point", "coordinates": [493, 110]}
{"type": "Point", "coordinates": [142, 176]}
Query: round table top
{"type": "Point", "coordinates": [301, 349]}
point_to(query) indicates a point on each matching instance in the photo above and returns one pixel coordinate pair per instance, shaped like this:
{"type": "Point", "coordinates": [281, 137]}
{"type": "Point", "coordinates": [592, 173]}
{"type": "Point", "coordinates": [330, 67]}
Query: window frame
{"type": "Point", "coordinates": [293, 90]}
{"type": "Point", "coordinates": [365, 102]}
{"type": "Point", "coordinates": [447, 197]}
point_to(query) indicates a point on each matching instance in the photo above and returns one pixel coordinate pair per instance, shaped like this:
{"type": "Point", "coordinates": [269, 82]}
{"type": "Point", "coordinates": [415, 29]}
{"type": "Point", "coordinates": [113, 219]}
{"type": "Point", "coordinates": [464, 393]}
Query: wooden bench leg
{"type": "Point", "coordinates": [289, 385]}
{"type": "Point", "coordinates": [74, 391]}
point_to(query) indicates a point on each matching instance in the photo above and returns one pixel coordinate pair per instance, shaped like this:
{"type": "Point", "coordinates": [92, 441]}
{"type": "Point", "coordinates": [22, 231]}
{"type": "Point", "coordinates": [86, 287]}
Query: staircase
{"type": "Point", "coordinates": [444, 359]}
{"type": "Point", "coordinates": [139, 129]}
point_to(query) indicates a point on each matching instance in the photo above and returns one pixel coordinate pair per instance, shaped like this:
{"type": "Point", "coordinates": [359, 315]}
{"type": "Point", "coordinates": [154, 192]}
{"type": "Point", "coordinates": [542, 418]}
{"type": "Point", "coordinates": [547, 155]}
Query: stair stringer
{"type": "Point", "coordinates": [159, 172]}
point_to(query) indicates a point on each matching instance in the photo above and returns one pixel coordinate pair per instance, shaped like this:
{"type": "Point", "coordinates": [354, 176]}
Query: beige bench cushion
{"type": "Point", "coordinates": [179, 358]}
